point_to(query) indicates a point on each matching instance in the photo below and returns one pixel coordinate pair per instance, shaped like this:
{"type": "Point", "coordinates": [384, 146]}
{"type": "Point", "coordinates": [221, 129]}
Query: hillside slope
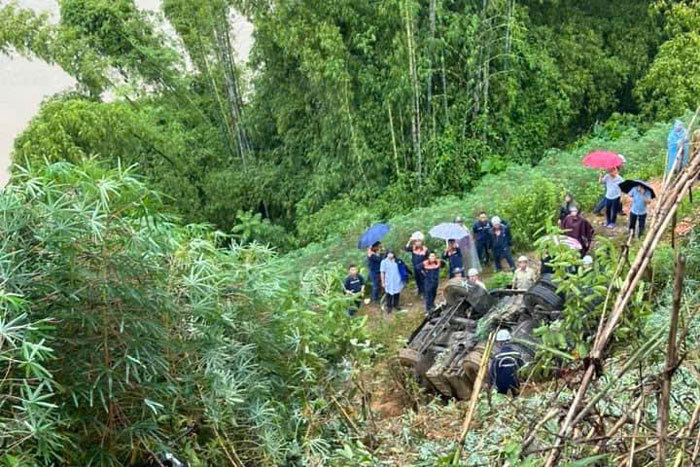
{"type": "Point", "coordinates": [526, 196]}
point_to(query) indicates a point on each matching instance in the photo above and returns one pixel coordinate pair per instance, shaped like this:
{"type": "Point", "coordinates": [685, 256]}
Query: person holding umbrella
{"type": "Point", "coordinates": [371, 240]}
{"type": "Point", "coordinates": [612, 181]}
{"type": "Point", "coordinates": [453, 257]}
{"type": "Point", "coordinates": [578, 228]}
{"type": "Point", "coordinates": [640, 196]}
{"type": "Point", "coordinates": [419, 253]}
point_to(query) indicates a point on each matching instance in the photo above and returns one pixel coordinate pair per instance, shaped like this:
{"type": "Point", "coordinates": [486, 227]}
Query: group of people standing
{"type": "Point", "coordinates": [490, 240]}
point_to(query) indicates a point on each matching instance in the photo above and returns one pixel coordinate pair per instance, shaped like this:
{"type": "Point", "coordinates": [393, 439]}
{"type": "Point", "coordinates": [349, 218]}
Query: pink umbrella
{"type": "Point", "coordinates": [603, 160]}
{"type": "Point", "coordinates": [566, 241]}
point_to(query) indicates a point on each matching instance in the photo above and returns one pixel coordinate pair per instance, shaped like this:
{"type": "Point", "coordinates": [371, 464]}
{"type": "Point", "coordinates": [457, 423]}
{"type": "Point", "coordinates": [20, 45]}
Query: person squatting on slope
{"type": "Point", "coordinates": [354, 286]}
{"type": "Point", "coordinates": [505, 365]}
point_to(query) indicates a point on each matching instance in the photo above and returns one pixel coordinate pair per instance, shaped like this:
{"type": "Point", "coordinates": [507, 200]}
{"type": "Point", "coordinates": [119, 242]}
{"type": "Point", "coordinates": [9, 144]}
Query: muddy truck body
{"type": "Point", "coordinates": [445, 351]}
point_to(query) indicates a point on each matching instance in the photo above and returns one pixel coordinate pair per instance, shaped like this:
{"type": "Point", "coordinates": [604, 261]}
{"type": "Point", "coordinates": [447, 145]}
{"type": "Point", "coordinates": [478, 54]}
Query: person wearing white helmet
{"type": "Point", "coordinates": [524, 276]}
{"type": "Point", "coordinates": [587, 264]}
{"type": "Point", "coordinates": [501, 243]}
{"type": "Point", "coordinates": [419, 253]}
{"type": "Point", "coordinates": [505, 365]}
{"type": "Point", "coordinates": [473, 276]}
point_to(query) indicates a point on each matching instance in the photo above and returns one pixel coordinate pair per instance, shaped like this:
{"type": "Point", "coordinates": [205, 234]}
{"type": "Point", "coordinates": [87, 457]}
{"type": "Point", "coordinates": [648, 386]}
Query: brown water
{"type": "Point", "coordinates": [25, 83]}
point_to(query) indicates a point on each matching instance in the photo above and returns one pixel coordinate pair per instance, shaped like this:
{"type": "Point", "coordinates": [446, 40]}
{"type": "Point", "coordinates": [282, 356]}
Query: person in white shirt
{"type": "Point", "coordinates": [612, 181]}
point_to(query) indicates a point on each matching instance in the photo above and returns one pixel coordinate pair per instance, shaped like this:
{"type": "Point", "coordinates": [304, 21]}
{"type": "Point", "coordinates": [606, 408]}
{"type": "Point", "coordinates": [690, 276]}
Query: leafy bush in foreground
{"type": "Point", "coordinates": [119, 329]}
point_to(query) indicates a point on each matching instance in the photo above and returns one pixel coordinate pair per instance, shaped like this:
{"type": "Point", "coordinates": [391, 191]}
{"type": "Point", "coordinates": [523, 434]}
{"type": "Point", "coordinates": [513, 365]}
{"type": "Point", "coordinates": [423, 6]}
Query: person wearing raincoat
{"type": "Point", "coordinates": [678, 145]}
{"type": "Point", "coordinates": [467, 246]}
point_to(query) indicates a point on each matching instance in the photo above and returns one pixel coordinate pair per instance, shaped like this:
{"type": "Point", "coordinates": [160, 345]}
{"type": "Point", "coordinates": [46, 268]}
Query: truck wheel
{"type": "Point", "coordinates": [543, 298]}
{"type": "Point", "coordinates": [458, 289]}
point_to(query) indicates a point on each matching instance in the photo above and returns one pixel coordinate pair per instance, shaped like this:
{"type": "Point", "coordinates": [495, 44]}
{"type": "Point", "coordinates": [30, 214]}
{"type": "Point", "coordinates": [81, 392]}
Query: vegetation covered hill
{"type": "Point", "coordinates": [360, 103]}
{"type": "Point", "coordinates": [175, 227]}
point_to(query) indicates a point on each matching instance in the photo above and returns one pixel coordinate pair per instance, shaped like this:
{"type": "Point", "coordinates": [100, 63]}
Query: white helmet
{"type": "Point", "coordinates": [418, 235]}
{"type": "Point", "coordinates": [472, 272]}
{"type": "Point", "coordinates": [503, 335]}
{"type": "Point", "coordinates": [495, 220]}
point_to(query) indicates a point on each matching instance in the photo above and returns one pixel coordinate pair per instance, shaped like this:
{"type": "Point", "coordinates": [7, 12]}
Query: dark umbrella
{"type": "Point", "coordinates": [627, 185]}
{"type": "Point", "coordinates": [372, 236]}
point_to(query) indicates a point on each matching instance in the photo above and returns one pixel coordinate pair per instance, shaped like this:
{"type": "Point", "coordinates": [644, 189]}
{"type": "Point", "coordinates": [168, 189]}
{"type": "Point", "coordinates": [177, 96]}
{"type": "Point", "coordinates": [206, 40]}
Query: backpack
{"type": "Point", "coordinates": [403, 271]}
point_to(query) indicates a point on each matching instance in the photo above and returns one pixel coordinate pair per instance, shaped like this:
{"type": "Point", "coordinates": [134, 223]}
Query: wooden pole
{"type": "Point", "coordinates": [475, 398]}
{"type": "Point", "coordinates": [671, 352]}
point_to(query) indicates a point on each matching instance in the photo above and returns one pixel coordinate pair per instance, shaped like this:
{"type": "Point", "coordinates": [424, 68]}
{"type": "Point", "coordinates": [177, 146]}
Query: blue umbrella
{"type": "Point", "coordinates": [448, 231]}
{"type": "Point", "coordinates": [372, 236]}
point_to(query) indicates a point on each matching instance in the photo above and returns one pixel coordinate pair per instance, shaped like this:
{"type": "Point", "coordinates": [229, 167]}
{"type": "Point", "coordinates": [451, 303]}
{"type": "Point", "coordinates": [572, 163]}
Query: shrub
{"type": "Point", "coordinates": [156, 328]}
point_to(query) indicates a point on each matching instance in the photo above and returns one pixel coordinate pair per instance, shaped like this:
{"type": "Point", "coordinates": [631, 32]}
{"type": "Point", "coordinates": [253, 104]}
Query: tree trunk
{"type": "Point", "coordinates": [671, 352]}
{"type": "Point", "coordinates": [415, 124]}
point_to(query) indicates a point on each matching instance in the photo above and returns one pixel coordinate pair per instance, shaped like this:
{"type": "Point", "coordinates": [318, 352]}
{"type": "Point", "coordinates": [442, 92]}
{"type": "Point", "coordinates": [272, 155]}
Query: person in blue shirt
{"type": "Point", "coordinates": [391, 281]}
{"type": "Point", "coordinates": [453, 257]}
{"type": "Point", "coordinates": [612, 181]}
{"type": "Point", "coordinates": [482, 236]}
{"type": "Point", "coordinates": [640, 197]}
{"type": "Point", "coordinates": [419, 253]}
{"type": "Point", "coordinates": [431, 277]}
{"type": "Point", "coordinates": [374, 261]}
{"type": "Point", "coordinates": [501, 243]}
{"type": "Point", "coordinates": [354, 286]}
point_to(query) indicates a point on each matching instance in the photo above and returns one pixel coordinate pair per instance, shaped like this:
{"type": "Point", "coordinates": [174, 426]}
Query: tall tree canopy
{"type": "Point", "coordinates": [384, 104]}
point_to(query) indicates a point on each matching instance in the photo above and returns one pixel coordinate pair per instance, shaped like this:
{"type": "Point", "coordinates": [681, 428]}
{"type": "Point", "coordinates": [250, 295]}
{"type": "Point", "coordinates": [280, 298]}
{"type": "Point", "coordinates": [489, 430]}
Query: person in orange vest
{"type": "Point", "coordinates": [419, 253]}
{"type": "Point", "coordinates": [430, 269]}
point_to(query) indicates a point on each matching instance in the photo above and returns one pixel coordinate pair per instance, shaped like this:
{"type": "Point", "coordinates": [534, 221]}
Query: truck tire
{"type": "Point", "coordinates": [542, 298]}
{"type": "Point", "coordinates": [459, 289]}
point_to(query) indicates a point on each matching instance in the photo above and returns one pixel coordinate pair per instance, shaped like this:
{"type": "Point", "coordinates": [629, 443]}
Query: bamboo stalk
{"type": "Point", "coordinates": [688, 430]}
{"type": "Point", "coordinates": [669, 202]}
{"type": "Point", "coordinates": [474, 398]}
{"type": "Point", "coordinates": [665, 395]}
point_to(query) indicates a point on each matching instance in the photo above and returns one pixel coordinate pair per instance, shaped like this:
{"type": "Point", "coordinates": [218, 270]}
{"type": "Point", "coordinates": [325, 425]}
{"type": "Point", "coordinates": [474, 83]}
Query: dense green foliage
{"type": "Point", "coordinates": [127, 332]}
{"type": "Point", "coordinates": [527, 197]}
{"type": "Point", "coordinates": [119, 329]}
{"type": "Point", "coordinates": [345, 106]}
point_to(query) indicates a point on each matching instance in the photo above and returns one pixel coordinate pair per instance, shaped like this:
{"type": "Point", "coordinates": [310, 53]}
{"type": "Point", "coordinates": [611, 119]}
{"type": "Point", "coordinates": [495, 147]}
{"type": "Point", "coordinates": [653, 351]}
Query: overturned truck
{"type": "Point", "coordinates": [445, 351]}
